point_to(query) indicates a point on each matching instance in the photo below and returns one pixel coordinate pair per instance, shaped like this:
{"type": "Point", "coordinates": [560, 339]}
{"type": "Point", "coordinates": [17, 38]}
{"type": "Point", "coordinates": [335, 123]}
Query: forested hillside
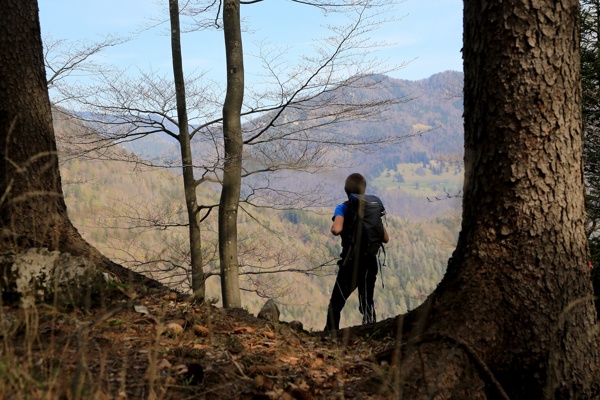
{"type": "Point", "coordinates": [433, 106]}
{"type": "Point", "coordinates": [429, 110]}
{"type": "Point", "coordinates": [135, 215]}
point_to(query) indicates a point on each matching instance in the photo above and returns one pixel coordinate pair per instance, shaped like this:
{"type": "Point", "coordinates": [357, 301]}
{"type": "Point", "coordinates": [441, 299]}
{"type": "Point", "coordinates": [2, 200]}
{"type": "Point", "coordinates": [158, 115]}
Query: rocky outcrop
{"type": "Point", "coordinates": [39, 275]}
{"type": "Point", "coordinates": [269, 311]}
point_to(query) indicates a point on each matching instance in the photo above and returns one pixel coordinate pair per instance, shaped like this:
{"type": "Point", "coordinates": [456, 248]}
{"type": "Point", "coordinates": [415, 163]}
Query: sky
{"type": "Point", "coordinates": [426, 34]}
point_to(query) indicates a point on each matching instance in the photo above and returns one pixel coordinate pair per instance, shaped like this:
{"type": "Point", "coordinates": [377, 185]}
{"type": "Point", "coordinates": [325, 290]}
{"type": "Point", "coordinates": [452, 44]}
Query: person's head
{"type": "Point", "coordinates": [355, 184]}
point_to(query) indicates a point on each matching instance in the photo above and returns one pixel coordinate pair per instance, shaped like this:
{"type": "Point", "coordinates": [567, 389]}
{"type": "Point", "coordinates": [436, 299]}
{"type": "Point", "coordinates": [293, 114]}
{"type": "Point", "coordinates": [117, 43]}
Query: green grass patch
{"type": "Point", "coordinates": [421, 179]}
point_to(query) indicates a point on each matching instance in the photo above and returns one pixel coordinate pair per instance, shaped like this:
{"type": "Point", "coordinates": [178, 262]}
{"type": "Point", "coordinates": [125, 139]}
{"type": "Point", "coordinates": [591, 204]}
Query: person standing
{"type": "Point", "coordinates": [359, 223]}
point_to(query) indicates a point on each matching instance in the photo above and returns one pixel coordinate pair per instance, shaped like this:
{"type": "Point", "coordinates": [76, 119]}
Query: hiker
{"type": "Point", "coordinates": [358, 265]}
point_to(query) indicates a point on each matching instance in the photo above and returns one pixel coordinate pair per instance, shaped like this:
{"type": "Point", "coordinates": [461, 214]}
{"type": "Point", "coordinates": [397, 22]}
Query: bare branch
{"type": "Point", "coordinates": [64, 59]}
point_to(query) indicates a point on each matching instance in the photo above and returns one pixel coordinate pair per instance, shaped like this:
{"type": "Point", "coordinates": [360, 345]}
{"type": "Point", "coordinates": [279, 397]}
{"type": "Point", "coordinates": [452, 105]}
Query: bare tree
{"type": "Point", "coordinates": [277, 140]}
{"type": "Point", "coordinates": [189, 182]}
{"type": "Point", "coordinates": [290, 125]}
{"type": "Point", "coordinates": [233, 146]}
{"type": "Point", "coordinates": [65, 60]}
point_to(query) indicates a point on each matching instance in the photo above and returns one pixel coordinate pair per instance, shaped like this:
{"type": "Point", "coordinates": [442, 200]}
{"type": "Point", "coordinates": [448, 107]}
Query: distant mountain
{"type": "Point", "coordinates": [429, 108]}
{"type": "Point", "coordinates": [433, 106]}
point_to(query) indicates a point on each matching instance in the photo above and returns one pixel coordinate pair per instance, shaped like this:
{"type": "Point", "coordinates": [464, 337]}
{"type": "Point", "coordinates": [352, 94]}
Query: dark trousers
{"type": "Point", "coordinates": [353, 275]}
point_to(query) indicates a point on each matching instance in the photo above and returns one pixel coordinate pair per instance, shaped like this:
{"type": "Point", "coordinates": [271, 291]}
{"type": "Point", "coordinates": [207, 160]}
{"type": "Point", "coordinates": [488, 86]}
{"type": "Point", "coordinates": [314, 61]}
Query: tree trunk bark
{"type": "Point", "coordinates": [513, 317]}
{"type": "Point", "coordinates": [232, 169]}
{"type": "Point", "coordinates": [33, 214]}
{"type": "Point", "coordinates": [189, 183]}
{"type": "Point", "coordinates": [33, 210]}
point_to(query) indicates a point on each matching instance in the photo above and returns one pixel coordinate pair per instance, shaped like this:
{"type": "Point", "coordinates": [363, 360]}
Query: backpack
{"type": "Point", "coordinates": [365, 225]}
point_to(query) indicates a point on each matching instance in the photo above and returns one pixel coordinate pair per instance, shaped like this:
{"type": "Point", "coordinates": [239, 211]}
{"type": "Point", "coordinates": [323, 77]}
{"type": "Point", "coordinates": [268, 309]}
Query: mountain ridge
{"type": "Point", "coordinates": [435, 104]}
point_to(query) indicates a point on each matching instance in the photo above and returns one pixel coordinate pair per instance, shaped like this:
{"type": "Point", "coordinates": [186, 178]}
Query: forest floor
{"type": "Point", "coordinates": [156, 346]}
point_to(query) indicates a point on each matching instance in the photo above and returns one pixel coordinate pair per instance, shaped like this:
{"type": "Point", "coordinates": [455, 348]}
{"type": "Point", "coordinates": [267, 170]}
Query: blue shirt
{"type": "Point", "coordinates": [340, 210]}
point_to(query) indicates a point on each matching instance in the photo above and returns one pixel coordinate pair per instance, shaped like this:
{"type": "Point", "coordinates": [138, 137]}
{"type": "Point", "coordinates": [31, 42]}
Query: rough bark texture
{"type": "Point", "coordinates": [513, 316]}
{"type": "Point", "coordinates": [33, 210]}
{"type": "Point", "coordinates": [232, 168]}
{"type": "Point", "coordinates": [189, 183]}
{"type": "Point", "coordinates": [33, 214]}
{"type": "Point", "coordinates": [523, 244]}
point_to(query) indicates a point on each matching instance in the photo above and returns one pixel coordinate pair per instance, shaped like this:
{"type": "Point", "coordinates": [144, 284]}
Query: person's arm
{"type": "Point", "coordinates": [386, 237]}
{"type": "Point", "coordinates": [338, 225]}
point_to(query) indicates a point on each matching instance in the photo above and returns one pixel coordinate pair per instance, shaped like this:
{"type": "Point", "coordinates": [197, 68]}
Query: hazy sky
{"type": "Point", "coordinates": [429, 32]}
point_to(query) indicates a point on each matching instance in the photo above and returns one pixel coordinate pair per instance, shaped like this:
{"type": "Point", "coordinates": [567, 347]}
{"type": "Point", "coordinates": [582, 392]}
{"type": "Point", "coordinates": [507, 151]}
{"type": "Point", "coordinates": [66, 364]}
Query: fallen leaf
{"type": "Point", "coordinates": [317, 363]}
{"type": "Point", "coordinates": [269, 334]}
{"type": "Point", "coordinates": [289, 360]}
{"type": "Point", "coordinates": [244, 329]}
{"type": "Point", "coordinates": [164, 363]}
{"type": "Point", "coordinates": [141, 309]}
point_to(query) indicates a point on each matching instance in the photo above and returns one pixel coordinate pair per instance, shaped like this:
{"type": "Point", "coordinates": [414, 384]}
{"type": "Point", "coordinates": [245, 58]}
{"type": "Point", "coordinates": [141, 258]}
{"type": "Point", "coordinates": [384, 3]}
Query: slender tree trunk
{"type": "Point", "coordinates": [513, 317]}
{"type": "Point", "coordinates": [232, 169]}
{"type": "Point", "coordinates": [189, 183]}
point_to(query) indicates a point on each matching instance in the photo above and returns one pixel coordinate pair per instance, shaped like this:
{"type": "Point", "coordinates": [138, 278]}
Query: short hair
{"type": "Point", "coordinates": [355, 184]}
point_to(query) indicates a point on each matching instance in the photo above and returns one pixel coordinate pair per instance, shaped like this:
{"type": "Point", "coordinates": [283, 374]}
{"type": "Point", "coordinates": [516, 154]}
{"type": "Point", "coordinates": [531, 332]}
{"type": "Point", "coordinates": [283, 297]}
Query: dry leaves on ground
{"type": "Point", "coordinates": [155, 347]}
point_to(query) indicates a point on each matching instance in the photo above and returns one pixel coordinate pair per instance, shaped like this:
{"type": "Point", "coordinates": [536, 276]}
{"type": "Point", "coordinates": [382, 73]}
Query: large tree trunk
{"type": "Point", "coordinates": [36, 232]}
{"type": "Point", "coordinates": [189, 183]}
{"type": "Point", "coordinates": [513, 317]}
{"type": "Point", "coordinates": [33, 209]}
{"type": "Point", "coordinates": [232, 169]}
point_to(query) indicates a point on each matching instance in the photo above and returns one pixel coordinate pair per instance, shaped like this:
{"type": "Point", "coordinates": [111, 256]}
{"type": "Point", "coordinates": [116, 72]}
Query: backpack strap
{"type": "Point", "coordinates": [348, 232]}
{"type": "Point", "coordinates": [381, 249]}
